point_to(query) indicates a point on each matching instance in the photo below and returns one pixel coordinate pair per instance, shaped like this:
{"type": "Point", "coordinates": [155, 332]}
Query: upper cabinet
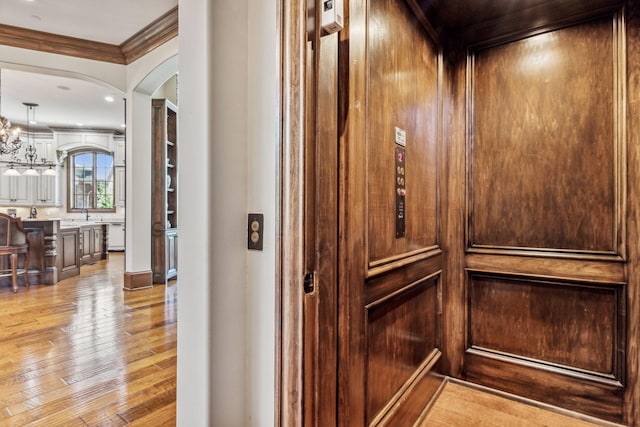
{"type": "Point", "coordinates": [119, 157]}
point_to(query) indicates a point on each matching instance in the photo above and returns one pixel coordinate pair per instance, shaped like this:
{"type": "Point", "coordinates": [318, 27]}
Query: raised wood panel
{"type": "Point", "coordinates": [578, 327]}
{"type": "Point", "coordinates": [403, 92]}
{"type": "Point", "coordinates": [581, 270]}
{"type": "Point", "coordinates": [402, 331]}
{"type": "Point", "coordinates": [573, 392]}
{"type": "Point", "coordinates": [544, 148]}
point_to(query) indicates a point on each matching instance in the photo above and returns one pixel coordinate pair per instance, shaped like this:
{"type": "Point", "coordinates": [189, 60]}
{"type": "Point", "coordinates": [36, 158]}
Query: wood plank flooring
{"type": "Point", "coordinates": [461, 405]}
{"type": "Point", "coordinates": [86, 353]}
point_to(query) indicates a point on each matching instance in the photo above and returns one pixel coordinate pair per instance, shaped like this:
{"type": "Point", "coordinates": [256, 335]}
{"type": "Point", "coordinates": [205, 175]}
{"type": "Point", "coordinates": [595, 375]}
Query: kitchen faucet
{"type": "Point", "coordinates": [86, 212]}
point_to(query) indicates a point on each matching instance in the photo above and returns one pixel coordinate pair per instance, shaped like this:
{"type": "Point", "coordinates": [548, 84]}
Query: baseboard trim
{"type": "Point", "coordinates": [408, 403]}
{"type": "Point", "coordinates": [134, 281]}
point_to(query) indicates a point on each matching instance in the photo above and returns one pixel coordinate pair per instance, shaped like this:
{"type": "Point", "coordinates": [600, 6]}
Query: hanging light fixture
{"type": "Point", "coordinates": [9, 138]}
{"type": "Point", "coordinates": [50, 171]}
{"type": "Point", "coordinates": [11, 171]}
{"type": "Point", "coordinates": [30, 154]}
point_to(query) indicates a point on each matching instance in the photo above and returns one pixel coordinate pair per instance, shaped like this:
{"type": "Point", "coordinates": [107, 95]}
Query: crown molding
{"type": "Point", "coordinates": [150, 37]}
{"type": "Point", "coordinates": [144, 41]}
{"type": "Point", "coordinates": [62, 45]}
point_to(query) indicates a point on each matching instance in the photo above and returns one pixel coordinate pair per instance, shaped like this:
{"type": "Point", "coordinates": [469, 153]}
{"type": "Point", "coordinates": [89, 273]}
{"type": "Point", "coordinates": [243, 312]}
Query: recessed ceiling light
{"type": "Point", "coordinates": [109, 98]}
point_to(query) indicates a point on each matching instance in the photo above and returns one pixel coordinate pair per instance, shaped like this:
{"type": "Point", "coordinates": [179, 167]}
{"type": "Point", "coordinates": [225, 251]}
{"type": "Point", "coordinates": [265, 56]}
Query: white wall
{"type": "Point", "coordinates": [114, 75]}
{"type": "Point", "coordinates": [228, 116]}
{"type": "Point", "coordinates": [142, 81]}
{"type": "Point", "coordinates": [262, 144]}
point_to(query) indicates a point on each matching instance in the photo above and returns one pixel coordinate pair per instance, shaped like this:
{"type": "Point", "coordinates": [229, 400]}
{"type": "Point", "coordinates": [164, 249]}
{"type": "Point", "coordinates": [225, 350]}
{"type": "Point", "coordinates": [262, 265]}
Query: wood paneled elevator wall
{"type": "Point", "coordinates": [519, 264]}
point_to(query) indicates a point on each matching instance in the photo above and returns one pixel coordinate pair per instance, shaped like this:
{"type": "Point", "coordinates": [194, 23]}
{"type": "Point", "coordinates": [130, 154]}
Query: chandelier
{"type": "Point", "coordinates": [10, 141]}
{"type": "Point", "coordinates": [30, 152]}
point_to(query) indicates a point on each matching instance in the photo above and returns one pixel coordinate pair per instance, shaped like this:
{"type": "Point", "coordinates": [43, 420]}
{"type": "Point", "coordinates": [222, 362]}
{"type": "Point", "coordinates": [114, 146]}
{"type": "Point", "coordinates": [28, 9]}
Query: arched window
{"type": "Point", "coordinates": [90, 185]}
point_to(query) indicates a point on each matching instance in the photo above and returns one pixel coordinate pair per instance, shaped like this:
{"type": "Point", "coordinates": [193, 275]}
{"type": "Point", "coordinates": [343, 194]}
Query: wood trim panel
{"type": "Point", "coordinates": [408, 404]}
{"type": "Point", "coordinates": [144, 41]}
{"type": "Point", "coordinates": [290, 257]}
{"type": "Point", "coordinates": [383, 286]}
{"type": "Point", "coordinates": [62, 45]}
{"type": "Point", "coordinates": [150, 37]}
{"type": "Point", "coordinates": [630, 43]}
{"type": "Point", "coordinates": [352, 218]}
{"type": "Point", "coordinates": [574, 392]}
{"type": "Point", "coordinates": [134, 281]}
{"type": "Point", "coordinates": [584, 271]}
{"type": "Point", "coordinates": [404, 260]}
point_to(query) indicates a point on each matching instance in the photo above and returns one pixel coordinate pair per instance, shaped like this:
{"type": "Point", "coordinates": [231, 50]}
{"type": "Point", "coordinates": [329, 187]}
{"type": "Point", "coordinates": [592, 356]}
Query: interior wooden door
{"type": "Point", "coordinates": [390, 257]}
{"type": "Point", "coordinates": [320, 338]}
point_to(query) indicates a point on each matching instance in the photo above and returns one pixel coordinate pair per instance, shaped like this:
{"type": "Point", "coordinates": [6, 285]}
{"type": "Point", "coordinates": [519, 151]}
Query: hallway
{"type": "Point", "coordinates": [84, 352]}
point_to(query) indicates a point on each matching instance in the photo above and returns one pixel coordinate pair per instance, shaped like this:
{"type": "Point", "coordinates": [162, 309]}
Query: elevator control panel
{"type": "Point", "coordinates": [400, 181]}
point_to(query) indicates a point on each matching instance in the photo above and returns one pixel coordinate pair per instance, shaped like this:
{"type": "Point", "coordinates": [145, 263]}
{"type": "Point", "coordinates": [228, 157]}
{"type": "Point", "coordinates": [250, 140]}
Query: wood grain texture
{"type": "Point", "coordinates": [579, 270]}
{"type": "Point", "coordinates": [543, 155]}
{"type": "Point", "coordinates": [462, 405]}
{"type": "Point", "coordinates": [150, 37]}
{"type": "Point", "coordinates": [83, 352]}
{"type": "Point", "coordinates": [403, 92]}
{"type": "Point", "coordinates": [352, 217]}
{"type": "Point", "coordinates": [632, 45]}
{"type": "Point", "coordinates": [563, 389]}
{"type": "Point", "coordinates": [453, 172]}
{"type": "Point", "coordinates": [290, 255]}
{"type": "Point", "coordinates": [401, 333]}
{"type": "Point", "coordinates": [575, 326]}
{"type": "Point", "coordinates": [136, 280]}
{"type": "Point", "coordinates": [460, 23]}
{"type": "Point", "coordinates": [321, 227]}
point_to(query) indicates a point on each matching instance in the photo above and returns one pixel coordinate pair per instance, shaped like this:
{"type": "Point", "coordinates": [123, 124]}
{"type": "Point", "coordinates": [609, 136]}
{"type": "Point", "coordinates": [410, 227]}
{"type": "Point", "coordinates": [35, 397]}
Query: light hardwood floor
{"type": "Point", "coordinates": [85, 352]}
{"type": "Point", "coordinates": [459, 405]}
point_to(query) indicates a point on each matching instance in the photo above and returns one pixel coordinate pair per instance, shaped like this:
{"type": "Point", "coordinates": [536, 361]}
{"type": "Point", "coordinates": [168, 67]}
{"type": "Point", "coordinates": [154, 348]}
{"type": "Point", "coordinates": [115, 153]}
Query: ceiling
{"type": "Point", "coordinates": [68, 102]}
{"type": "Point", "coordinates": [465, 22]}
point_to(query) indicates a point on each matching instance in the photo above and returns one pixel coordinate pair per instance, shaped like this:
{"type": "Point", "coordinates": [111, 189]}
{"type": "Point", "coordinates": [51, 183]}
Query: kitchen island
{"type": "Point", "coordinates": [58, 248]}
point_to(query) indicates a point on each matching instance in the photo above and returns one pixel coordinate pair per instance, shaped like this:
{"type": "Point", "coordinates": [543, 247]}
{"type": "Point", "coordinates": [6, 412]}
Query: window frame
{"type": "Point", "coordinates": [94, 151]}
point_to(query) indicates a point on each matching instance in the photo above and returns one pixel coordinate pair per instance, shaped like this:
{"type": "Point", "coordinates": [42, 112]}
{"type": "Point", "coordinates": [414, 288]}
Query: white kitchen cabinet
{"type": "Point", "coordinates": [116, 236]}
{"type": "Point", "coordinates": [15, 190]}
{"type": "Point", "coordinates": [44, 190]}
{"type": "Point", "coordinates": [120, 186]}
{"type": "Point", "coordinates": [119, 157]}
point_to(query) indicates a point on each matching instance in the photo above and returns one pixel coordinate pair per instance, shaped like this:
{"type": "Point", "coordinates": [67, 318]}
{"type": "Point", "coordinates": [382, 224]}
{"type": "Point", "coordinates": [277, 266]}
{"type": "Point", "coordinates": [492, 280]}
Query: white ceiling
{"type": "Point", "coordinates": [107, 21]}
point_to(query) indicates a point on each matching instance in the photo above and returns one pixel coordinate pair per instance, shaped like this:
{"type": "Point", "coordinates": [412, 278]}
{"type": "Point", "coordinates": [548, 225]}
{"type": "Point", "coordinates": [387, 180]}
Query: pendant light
{"type": "Point", "coordinates": [30, 154]}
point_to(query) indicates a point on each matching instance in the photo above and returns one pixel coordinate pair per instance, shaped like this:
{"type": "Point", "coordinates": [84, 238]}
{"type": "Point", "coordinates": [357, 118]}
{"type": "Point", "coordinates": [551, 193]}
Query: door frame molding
{"type": "Point", "coordinates": [290, 232]}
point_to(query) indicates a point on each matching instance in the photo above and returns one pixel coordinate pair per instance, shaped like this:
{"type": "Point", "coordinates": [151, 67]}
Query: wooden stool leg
{"type": "Point", "coordinates": [14, 271]}
{"type": "Point", "coordinates": [26, 269]}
